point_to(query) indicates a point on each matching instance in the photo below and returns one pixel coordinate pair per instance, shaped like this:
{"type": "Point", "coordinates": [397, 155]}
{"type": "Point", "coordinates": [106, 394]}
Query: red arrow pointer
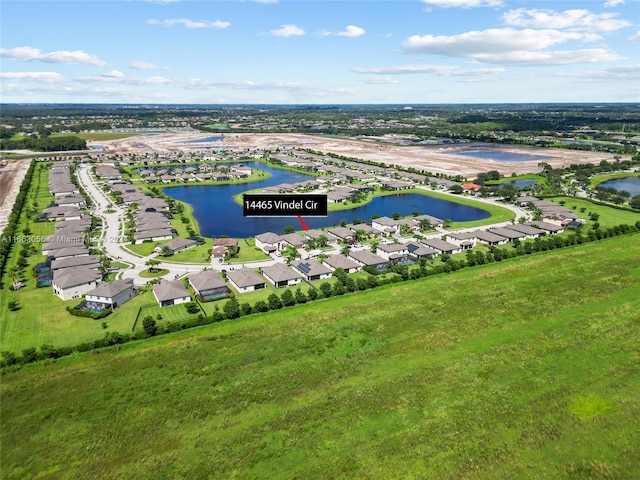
{"type": "Point", "coordinates": [304, 225]}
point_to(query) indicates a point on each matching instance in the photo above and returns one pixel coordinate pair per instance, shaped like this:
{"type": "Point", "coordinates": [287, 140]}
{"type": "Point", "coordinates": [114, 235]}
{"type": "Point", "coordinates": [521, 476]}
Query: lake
{"type": "Point", "coordinates": [500, 156]}
{"type": "Point", "coordinates": [628, 184]}
{"type": "Point", "coordinates": [218, 214]}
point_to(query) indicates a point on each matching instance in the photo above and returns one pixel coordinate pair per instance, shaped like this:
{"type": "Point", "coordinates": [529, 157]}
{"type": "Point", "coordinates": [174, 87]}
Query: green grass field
{"type": "Point", "coordinates": [608, 216]}
{"type": "Point", "coordinates": [526, 369]}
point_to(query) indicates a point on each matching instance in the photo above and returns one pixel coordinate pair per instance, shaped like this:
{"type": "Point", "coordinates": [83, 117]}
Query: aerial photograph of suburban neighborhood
{"type": "Point", "coordinates": [278, 239]}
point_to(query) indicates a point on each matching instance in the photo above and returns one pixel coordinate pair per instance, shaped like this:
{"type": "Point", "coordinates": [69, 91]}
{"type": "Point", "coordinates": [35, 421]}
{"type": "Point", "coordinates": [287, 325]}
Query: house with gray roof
{"type": "Point", "coordinates": [209, 285]}
{"type": "Point", "coordinates": [341, 261]}
{"type": "Point", "coordinates": [75, 282]}
{"type": "Point", "coordinates": [442, 246]}
{"type": "Point", "coordinates": [341, 233]}
{"type": "Point", "coordinates": [88, 261]}
{"type": "Point", "coordinates": [280, 275]}
{"type": "Point", "coordinates": [268, 242]}
{"type": "Point", "coordinates": [154, 235]}
{"type": "Point", "coordinates": [550, 228]}
{"type": "Point", "coordinates": [528, 230]}
{"type": "Point", "coordinates": [392, 251]}
{"type": "Point", "coordinates": [489, 238]}
{"type": "Point", "coordinates": [509, 234]}
{"type": "Point", "coordinates": [171, 292]}
{"type": "Point", "coordinates": [465, 240]}
{"type": "Point", "coordinates": [311, 270]}
{"type": "Point", "coordinates": [368, 259]}
{"type": "Point", "coordinates": [179, 245]}
{"type": "Point", "coordinates": [418, 251]}
{"type": "Point", "coordinates": [109, 295]}
{"type": "Point", "coordinates": [245, 280]}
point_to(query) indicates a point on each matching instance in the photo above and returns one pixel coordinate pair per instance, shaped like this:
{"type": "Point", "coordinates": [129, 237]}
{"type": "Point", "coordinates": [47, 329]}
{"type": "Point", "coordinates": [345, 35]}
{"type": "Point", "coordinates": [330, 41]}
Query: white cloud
{"type": "Point", "coordinates": [352, 31]}
{"type": "Point", "coordinates": [568, 57]}
{"type": "Point", "coordinates": [44, 77]}
{"type": "Point", "coordinates": [265, 1]}
{"type": "Point", "coordinates": [578, 19]}
{"type": "Point", "coordinates": [490, 41]}
{"type": "Point", "coordinates": [60, 56]}
{"type": "Point", "coordinates": [635, 37]}
{"type": "Point", "coordinates": [163, 2]}
{"type": "Point", "coordinates": [172, 22]}
{"type": "Point", "coordinates": [287, 30]}
{"type": "Point", "coordinates": [463, 3]}
{"type": "Point", "coordinates": [138, 65]}
{"type": "Point", "coordinates": [380, 81]}
{"type": "Point", "coordinates": [613, 3]}
{"type": "Point", "coordinates": [440, 70]}
{"type": "Point", "coordinates": [113, 74]}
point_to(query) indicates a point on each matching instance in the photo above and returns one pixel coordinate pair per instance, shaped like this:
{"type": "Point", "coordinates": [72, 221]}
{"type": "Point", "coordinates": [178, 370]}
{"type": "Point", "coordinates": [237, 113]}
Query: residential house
{"type": "Point", "coordinates": [395, 252]}
{"type": "Point", "coordinates": [341, 261]}
{"type": "Point", "coordinates": [311, 270]}
{"type": "Point", "coordinates": [74, 282]}
{"type": "Point", "coordinates": [171, 292]}
{"type": "Point", "coordinates": [528, 230]}
{"type": "Point", "coordinates": [510, 235]}
{"type": "Point", "coordinates": [209, 285]}
{"type": "Point", "coordinates": [268, 242]}
{"type": "Point", "coordinates": [442, 246]}
{"type": "Point", "coordinates": [341, 233]}
{"type": "Point", "coordinates": [109, 294]}
{"type": "Point", "coordinates": [368, 259]}
{"type": "Point", "coordinates": [465, 240]}
{"type": "Point", "coordinates": [490, 239]}
{"type": "Point", "coordinates": [280, 275]}
{"type": "Point", "coordinates": [245, 280]}
{"type": "Point", "coordinates": [179, 245]}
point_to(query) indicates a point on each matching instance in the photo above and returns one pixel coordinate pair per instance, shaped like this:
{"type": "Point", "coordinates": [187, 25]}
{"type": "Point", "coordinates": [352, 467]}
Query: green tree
{"type": "Point", "coordinates": [325, 288]}
{"type": "Point", "coordinates": [274, 302]}
{"type": "Point", "coordinates": [232, 308]}
{"type": "Point", "coordinates": [149, 326]}
{"type": "Point", "coordinates": [287, 298]}
{"type": "Point", "coordinates": [300, 297]}
{"type": "Point", "coordinates": [261, 306]}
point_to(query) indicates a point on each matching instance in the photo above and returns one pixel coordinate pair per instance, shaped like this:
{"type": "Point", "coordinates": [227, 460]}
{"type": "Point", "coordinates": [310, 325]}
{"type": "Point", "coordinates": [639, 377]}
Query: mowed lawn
{"type": "Point", "coordinates": [525, 369]}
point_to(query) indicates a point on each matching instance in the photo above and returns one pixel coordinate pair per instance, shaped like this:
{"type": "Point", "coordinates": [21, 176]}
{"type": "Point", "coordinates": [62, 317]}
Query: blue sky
{"type": "Point", "coordinates": [422, 51]}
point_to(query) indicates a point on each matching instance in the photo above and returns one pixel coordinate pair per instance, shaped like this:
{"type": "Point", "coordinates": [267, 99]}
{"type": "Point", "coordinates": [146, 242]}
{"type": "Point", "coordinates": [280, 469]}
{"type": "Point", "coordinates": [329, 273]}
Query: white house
{"type": "Point", "coordinates": [245, 280]}
{"type": "Point", "coordinates": [311, 270]}
{"type": "Point", "coordinates": [110, 294]}
{"type": "Point", "coordinates": [280, 275]}
{"type": "Point", "coordinates": [75, 282]}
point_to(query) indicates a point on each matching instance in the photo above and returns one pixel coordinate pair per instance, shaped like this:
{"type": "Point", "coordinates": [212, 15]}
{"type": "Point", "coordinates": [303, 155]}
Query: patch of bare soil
{"type": "Point", "coordinates": [432, 158]}
{"type": "Point", "coordinates": [12, 173]}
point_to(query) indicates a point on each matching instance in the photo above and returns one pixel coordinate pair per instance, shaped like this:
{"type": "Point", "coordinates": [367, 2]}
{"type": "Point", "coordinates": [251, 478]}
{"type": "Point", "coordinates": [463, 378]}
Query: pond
{"type": "Point", "coordinates": [218, 214]}
{"type": "Point", "coordinates": [519, 183]}
{"type": "Point", "coordinates": [628, 184]}
{"type": "Point", "coordinates": [215, 138]}
{"type": "Point", "coordinates": [500, 156]}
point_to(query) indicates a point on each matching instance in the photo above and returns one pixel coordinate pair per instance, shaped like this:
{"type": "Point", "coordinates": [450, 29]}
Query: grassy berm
{"type": "Point", "coordinates": [526, 369]}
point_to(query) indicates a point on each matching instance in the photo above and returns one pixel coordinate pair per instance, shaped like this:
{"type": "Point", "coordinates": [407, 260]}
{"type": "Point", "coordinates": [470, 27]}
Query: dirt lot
{"type": "Point", "coordinates": [12, 173]}
{"type": "Point", "coordinates": [432, 158]}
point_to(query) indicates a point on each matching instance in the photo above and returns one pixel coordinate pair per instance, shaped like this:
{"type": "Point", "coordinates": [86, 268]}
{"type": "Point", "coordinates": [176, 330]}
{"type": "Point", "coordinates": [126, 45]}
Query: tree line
{"type": "Point", "coordinates": [346, 284]}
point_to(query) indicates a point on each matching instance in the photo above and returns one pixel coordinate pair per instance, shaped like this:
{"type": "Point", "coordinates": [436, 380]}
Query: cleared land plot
{"type": "Point", "coordinates": [520, 370]}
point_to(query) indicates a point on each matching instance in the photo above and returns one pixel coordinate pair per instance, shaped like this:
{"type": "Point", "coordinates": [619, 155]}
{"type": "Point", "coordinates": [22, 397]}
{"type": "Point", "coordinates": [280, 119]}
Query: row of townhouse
{"type": "Point", "coordinates": [70, 269]}
{"type": "Point", "coordinates": [150, 216]}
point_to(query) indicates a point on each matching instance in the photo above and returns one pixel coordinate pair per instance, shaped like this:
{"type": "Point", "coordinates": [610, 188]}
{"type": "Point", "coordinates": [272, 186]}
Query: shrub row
{"type": "Point", "coordinates": [346, 284]}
